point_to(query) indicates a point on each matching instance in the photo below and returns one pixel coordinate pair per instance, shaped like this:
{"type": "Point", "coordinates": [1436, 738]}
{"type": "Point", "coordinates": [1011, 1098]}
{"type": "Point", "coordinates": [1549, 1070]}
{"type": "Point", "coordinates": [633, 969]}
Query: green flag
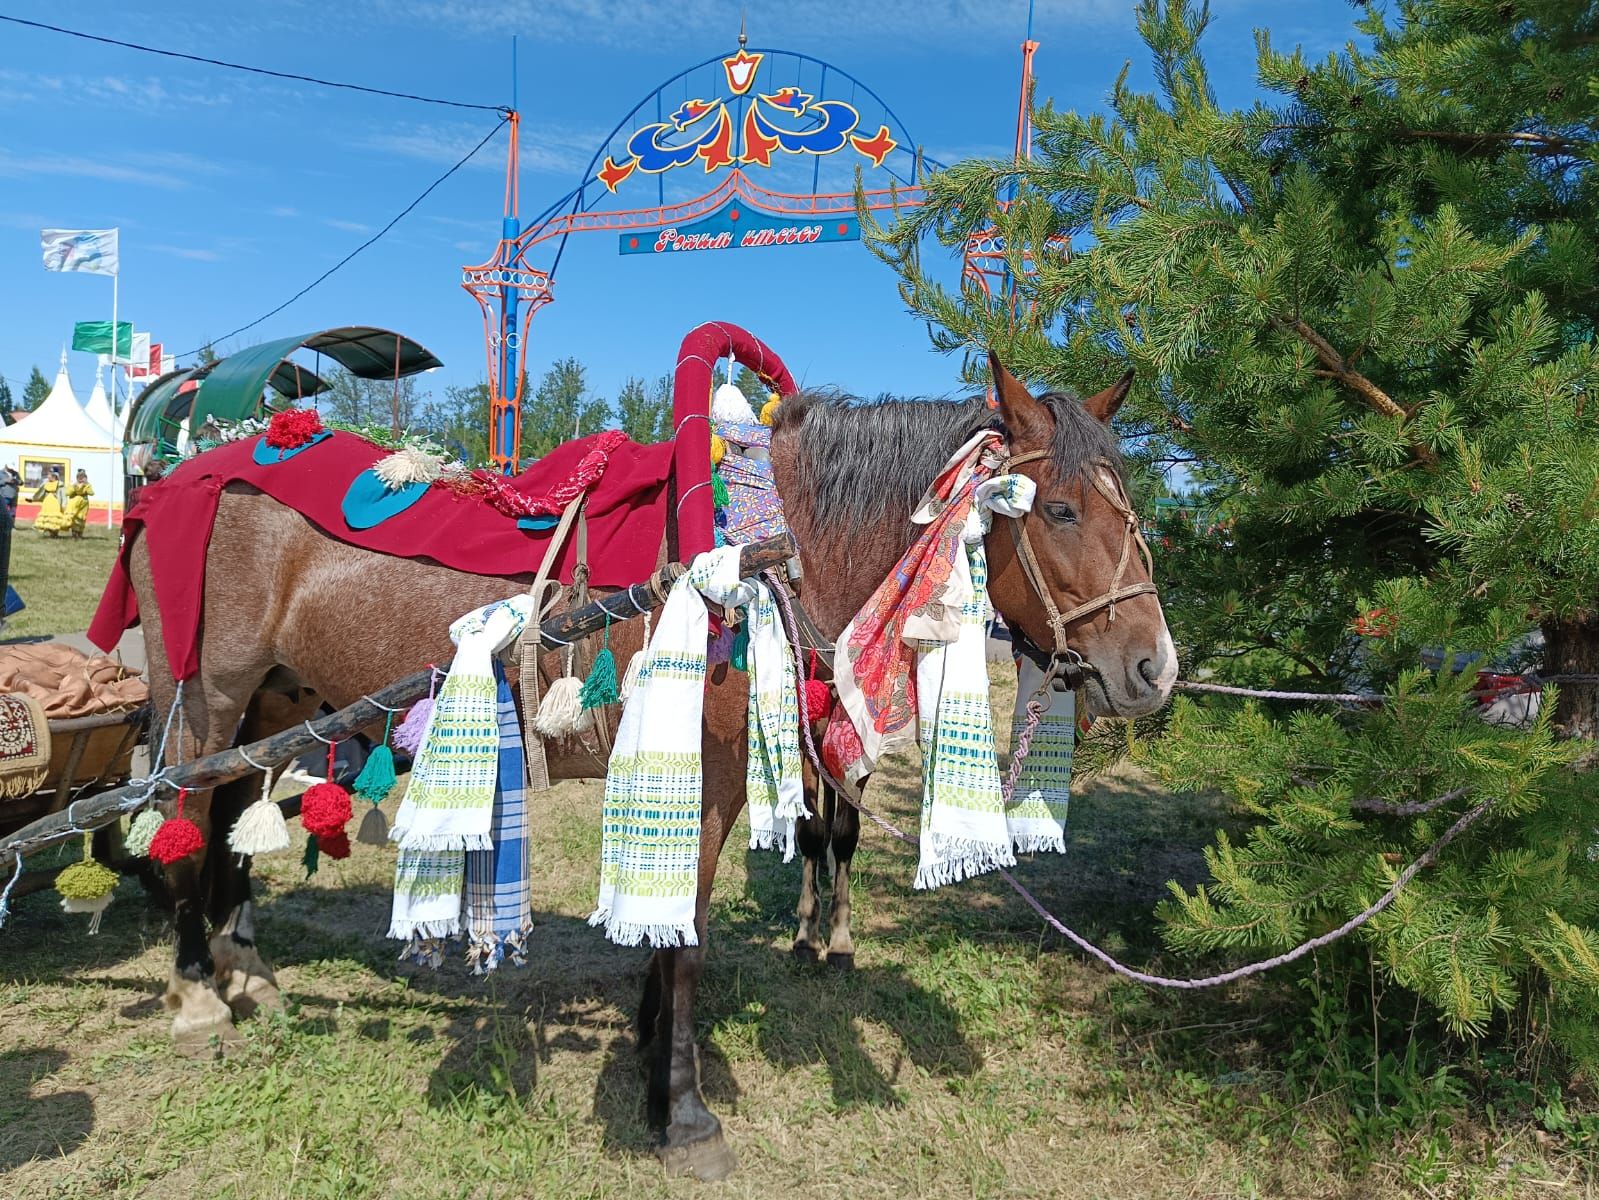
{"type": "Point", "coordinates": [95, 337]}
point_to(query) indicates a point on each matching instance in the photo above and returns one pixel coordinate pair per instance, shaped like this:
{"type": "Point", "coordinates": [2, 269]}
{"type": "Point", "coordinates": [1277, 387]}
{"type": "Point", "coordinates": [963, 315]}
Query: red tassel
{"type": "Point", "coordinates": [818, 694]}
{"type": "Point", "coordinates": [818, 699]}
{"type": "Point", "coordinates": [335, 845]}
{"type": "Point", "coordinates": [324, 810]}
{"type": "Point", "coordinates": [177, 838]}
{"type": "Point", "coordinates": [293, 427]}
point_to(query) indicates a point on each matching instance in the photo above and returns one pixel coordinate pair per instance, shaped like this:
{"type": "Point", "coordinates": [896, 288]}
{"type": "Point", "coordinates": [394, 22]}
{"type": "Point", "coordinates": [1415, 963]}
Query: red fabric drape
{"type": "Point", "coordinates": [626, 515]}
{"type": "Point", "coordinates": [691, 398]}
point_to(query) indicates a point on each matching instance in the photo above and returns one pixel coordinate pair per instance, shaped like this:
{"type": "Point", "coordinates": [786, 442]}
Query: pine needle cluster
{"type": "Point", "coordinates": [1361, 314]}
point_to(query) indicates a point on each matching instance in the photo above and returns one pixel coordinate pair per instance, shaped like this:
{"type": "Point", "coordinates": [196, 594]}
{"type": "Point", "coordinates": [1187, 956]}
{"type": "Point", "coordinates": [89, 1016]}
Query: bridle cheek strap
{"type": "Point", "coordinates": [1117, 592]}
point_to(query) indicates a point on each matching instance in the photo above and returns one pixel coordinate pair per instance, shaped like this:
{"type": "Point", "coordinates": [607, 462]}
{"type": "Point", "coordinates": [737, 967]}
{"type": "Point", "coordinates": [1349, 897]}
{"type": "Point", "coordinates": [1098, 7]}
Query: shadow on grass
{"type": "Point", "coordinates": [38, 1127]}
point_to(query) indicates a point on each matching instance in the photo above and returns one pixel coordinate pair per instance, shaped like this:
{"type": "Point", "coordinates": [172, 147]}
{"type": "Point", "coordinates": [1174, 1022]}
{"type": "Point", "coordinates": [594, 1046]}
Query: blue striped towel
{"type": "Point", "coordinates": [499, 910]}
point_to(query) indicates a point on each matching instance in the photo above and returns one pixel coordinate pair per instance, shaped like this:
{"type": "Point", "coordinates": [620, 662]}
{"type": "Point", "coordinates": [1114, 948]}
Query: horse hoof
{"type": "Point", "coordinates": [707, 1161]}
{"type": "Point", "coordinates": [840, 961]}
{"type": "Point", "coordinates": [202, 1025]}
{"type": "Point", "coordinates": [806, 953]}
{"type": "Point", "coordinates": [246, 995]}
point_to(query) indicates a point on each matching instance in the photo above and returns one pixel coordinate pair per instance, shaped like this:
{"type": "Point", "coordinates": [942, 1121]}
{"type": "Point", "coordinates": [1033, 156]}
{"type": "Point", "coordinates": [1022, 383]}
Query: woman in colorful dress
{"type": "Point", "coordinates": [52, 518]}
{"type": "Point", "coordinates": [78, 503]}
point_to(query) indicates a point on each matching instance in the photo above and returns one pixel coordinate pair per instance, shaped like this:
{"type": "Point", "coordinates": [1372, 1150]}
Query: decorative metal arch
{"type": "Point", "coordinates": [815, 115]}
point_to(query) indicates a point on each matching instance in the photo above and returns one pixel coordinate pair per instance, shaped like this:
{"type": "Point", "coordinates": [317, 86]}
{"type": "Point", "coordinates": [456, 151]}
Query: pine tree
{"type": "Point", "coordinates": [1364, 311]}
{"type": "Point", "coordinates": [645, 411]}
{"type": "Point", "coordinates": [561, 409]}
{"type": "Point", "coordinates": [7, 403]}
{"type": "Point", "coordinates": [351, 400]}
{"type": "Point", "coordinates": [35, 391]}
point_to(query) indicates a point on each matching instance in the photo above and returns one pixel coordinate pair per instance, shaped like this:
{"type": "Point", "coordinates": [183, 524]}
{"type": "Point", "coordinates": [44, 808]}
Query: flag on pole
{"type": "Point", "coordinates": [146, 358]}
{"type": "Point", "coordinates": [93, 250]}
{"type": "Point", "coordinates": [95, 337]}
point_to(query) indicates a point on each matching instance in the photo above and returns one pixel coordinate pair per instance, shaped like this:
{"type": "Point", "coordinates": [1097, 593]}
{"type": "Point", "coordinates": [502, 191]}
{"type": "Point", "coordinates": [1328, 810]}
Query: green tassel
{"type": "Point", "coordinates": [718, 490]}
{"type": "Point", "coordinates": [377, 778]}
{"type": "Point", "coordinates": [739, 658]}
{"type": "Point", "coordinates": [311, 857]}
{"type": "Point", "coordinates": [600, 687]}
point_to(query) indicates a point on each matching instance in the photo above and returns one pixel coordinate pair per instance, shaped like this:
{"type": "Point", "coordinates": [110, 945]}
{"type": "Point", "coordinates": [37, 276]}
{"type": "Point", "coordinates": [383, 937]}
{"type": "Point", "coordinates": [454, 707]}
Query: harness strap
{"type": "Point", "coordinates": [1033, 572]}
{"type": "Point", "coordinates": [546, 593]}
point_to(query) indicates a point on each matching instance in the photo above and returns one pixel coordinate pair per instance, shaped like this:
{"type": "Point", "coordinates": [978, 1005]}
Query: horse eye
{"type": "Point", "coordinates": [1057, 510]}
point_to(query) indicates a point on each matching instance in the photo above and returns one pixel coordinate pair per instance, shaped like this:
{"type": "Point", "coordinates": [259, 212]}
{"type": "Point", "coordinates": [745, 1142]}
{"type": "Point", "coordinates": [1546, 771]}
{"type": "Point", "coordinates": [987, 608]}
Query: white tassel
{"type": "Point", "coordinates": [408, 465]}
{"type": "Point", "coordinates": [92, 904]}
{"type": "Point", "coordinates": [730, 406]}
{"type": "Point", "coordinates": [260, 828]}
{"type": "Point", "coordinates": [561, 713]}
{"type": "Point", "coordinates": [634, 665]}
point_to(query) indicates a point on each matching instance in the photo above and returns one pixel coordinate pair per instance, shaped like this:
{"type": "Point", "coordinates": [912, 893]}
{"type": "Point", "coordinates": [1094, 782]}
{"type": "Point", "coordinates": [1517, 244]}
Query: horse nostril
{"type": "Point", "coordinates": [1146, 671]}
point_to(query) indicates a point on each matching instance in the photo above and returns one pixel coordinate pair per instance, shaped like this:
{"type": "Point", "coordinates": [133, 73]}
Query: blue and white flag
{"type": "Point", "coordinates": [93, 250]}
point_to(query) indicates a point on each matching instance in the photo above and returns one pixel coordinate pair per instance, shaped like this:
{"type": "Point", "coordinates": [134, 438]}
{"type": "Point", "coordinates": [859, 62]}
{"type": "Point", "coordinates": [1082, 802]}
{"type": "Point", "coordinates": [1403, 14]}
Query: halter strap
{"type": "Point", "coordinates": [1062, 652]}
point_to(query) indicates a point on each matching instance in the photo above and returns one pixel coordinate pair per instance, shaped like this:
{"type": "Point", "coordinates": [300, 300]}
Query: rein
{"type": "Point", "coordinates": [1062, 660]}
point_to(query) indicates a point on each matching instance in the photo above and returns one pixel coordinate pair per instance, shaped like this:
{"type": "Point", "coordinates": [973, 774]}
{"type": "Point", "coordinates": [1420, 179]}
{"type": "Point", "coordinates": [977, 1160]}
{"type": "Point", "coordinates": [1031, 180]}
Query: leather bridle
{"type": "Point", "coordinates": [1061, 660]}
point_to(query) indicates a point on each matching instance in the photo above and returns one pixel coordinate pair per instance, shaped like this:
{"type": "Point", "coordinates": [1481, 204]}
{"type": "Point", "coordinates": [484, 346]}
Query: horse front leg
{"type": "Point", "coordinates": [844, 821]}
{"type": "Point", "coordinates": [198, 1011]}
{"type": "Point", "coordinates": [243, 978]}
{"type": "Point", "coordinates": [812, 835]}
{"type": "Point", "coordinates": [694, 1144]}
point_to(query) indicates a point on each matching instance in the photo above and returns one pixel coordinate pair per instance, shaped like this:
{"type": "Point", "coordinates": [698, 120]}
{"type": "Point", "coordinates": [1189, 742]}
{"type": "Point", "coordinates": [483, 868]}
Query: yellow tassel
{"type": "Point", "coordinates": [769, 409]}
{"type": "Point", "coordinates": [718, 449]}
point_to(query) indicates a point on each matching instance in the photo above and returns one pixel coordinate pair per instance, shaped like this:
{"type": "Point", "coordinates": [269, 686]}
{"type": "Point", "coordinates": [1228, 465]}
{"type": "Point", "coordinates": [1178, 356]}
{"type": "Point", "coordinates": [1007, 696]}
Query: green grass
{"type": "Point", "coordinates": [60, 579]}
{"type": "Point", "coordinates": [968, 1055]}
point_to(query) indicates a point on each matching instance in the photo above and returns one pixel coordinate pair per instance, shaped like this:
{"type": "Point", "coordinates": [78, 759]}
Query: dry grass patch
{"type": "Point", "coordinates": [967, 1056]}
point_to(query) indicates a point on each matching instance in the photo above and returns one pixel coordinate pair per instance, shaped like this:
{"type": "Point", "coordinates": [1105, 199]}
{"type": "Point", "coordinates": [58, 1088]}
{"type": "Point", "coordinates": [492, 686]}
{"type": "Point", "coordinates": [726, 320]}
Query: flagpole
{"type": "Point", "coordinates": [116, 441]}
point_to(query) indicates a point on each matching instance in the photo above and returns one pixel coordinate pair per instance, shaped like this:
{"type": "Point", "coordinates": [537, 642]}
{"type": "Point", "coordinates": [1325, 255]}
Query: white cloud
{"type": "Point", "coordinates": [193, 253]}
{"type": "Point", "coordinates": [554, 151]}
{"type": "Point", "coordinates": [22, 166]}
{"type": "Point", "coordinates": [137, 91]}
{"type": "Point", "coordinates": [827, 22]}
{"type": "Point", "coordinates": [283, 210]}
{"type": "Point", "coordinates": [347, 226]}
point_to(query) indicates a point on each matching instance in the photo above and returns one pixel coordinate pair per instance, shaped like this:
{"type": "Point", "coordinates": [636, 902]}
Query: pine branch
{"type": "Point", "coordinates": [1338, 368]}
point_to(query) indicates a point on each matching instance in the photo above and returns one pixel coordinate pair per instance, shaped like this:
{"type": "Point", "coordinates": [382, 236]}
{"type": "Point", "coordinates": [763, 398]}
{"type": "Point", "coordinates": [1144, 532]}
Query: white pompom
{"type": "Point", "coordinates": [260, 829]}
{"type": "Point", "coordinates": [729, 405]}
{"type": "Point", "coordinates": [561, 712]}
{"type": "Point", "coordinates": [406, 466]}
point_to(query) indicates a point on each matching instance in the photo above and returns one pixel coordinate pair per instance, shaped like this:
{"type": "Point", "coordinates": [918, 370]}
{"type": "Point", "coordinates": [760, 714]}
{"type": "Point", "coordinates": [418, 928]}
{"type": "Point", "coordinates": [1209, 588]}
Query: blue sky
{"type": "Point", "coordinates": [234, 191]}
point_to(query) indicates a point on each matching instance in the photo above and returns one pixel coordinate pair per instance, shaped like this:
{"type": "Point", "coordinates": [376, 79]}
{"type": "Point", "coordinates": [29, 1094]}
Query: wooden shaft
{"type": "Point", "coordinates": [226, 765]}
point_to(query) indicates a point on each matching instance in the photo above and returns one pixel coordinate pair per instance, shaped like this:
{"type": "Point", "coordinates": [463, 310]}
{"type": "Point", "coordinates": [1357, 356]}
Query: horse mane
{"type": "Point", "coordinates": [865, 462]}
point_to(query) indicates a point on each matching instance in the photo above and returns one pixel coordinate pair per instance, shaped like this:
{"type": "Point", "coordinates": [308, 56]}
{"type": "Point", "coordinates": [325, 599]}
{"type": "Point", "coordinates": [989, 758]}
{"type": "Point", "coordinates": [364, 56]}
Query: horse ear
{"type": "Point", "coordinates": [1102, 406]}
{"type": "Point", "coordinates": [1025, 418]}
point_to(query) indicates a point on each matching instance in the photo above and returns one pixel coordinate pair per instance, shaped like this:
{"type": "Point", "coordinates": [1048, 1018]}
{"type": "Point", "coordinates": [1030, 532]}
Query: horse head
{"type": "Point", "coordinates": [1072, 576]}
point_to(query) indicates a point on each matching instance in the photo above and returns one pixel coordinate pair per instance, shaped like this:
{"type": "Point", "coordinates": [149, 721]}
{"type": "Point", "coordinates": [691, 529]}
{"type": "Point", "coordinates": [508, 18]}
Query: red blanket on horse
{"type": "Point", "coordinates": [626, 514]}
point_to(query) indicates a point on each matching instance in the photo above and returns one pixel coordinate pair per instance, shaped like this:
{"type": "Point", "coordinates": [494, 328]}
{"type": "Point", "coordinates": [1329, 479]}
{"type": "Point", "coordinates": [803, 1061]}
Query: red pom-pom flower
{"type": "Point", "coordinates": [293, 427]}
{"type": "Point", "coordinates": [324, 810]}
{"type": "Point", "coordinates": [178, 836]}
{"type": "Point", "coordinates": [335, 845]}
{"type": "Point", "coordinates": [818, 700]}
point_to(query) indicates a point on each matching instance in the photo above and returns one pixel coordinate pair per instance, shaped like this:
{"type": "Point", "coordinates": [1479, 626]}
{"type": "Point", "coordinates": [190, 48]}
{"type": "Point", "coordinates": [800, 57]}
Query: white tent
{"type": "Point", "coordinates": [98, 406]}
{"type": "Point", "coordinates": [61, 433]}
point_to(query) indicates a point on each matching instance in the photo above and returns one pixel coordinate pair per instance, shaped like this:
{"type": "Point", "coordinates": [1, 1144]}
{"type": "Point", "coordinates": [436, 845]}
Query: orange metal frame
{"type": "Point", "coordinates": [509, 291]}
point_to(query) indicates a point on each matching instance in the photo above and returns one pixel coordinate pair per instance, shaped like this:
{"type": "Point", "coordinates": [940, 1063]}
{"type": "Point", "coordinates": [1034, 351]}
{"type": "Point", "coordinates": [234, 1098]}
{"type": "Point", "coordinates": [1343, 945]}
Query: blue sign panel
{"type": "Point", "coordinates": [736, 227]}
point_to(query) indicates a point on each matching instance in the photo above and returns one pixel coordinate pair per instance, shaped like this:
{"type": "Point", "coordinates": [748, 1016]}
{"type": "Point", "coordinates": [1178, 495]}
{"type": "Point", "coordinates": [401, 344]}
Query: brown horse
{"type": "Point", "coordinates": [1086, 538]}
{"type": "Point", "coordinates": [290, 612]}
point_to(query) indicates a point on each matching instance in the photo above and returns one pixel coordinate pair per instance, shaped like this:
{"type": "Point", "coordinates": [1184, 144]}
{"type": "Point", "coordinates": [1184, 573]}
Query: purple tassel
{"type": "Point", "coordinates": [720, 647]}
{"type": "Point", "coordinates": [408, 733]}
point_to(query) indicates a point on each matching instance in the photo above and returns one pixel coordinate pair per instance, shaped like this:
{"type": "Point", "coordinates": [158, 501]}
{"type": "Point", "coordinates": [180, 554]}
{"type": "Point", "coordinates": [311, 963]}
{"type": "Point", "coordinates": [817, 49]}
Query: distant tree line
{"type": "Point", "coordinates": [560, 407]}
